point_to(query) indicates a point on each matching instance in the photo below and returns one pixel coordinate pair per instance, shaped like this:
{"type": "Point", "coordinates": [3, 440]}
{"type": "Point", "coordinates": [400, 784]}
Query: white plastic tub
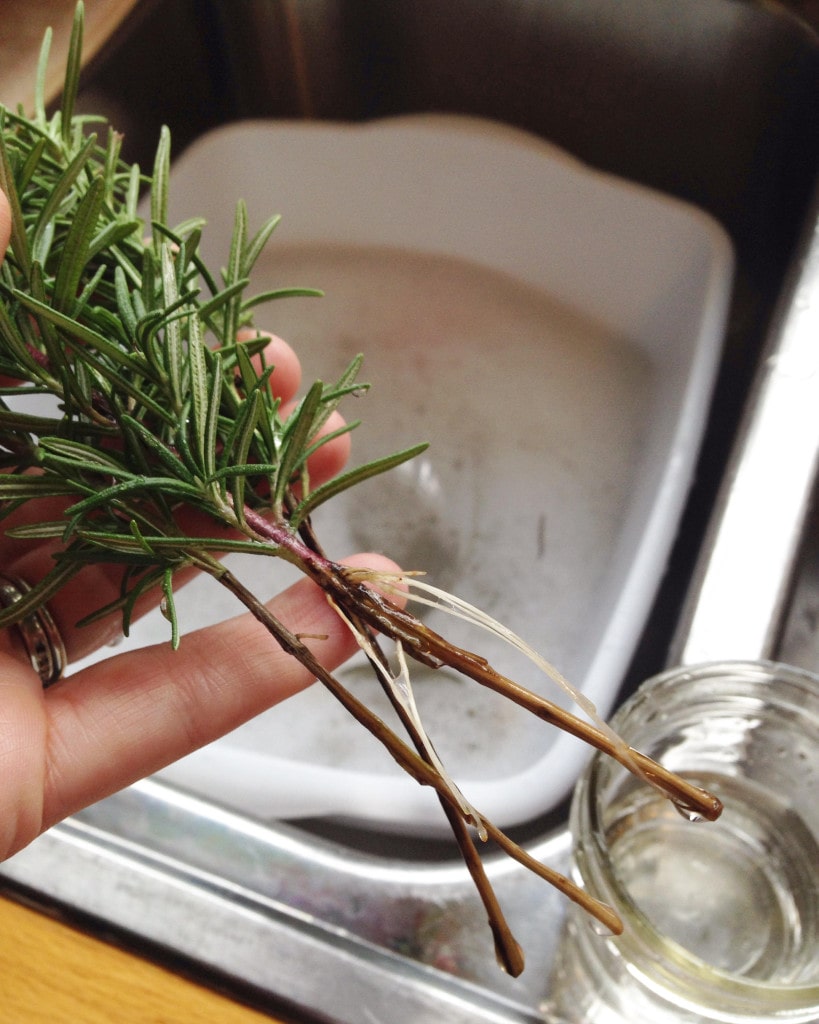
{"type": "Point", "coordinates": [554, 333]}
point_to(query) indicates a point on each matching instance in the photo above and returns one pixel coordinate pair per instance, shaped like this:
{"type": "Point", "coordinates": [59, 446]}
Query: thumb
{"type": "Point", "coordinates": [5, 224]}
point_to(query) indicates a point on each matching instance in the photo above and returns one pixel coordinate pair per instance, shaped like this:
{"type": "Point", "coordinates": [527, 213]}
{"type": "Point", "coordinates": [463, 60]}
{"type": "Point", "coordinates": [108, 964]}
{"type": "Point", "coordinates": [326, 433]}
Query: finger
{"type": "Point", "coordinates": [125, 718]}
{"type": "Point", "coordinates": [5, 237]}
{"type": "Point", "coordinates": [5, 225]}
{"type": "Point", "coordinates": [22, 742]}
{"type": "Point", "coordinates": [286, 377]}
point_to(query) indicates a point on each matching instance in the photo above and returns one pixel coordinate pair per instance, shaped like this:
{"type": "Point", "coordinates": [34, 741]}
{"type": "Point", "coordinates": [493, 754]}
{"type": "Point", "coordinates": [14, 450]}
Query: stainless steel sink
{"type": "Point", "coordinates": [711, 100]}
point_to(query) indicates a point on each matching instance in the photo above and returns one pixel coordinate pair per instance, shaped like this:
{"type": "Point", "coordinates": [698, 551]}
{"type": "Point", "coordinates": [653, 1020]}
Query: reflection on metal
{"type": "Point", "coordinates": [322, 928]}
{"type": "Point", "coordinates": [746, 569]}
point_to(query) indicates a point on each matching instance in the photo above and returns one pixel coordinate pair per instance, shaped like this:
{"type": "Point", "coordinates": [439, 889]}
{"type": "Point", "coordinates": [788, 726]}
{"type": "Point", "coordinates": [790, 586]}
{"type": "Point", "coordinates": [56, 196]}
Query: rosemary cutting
{"type": "Point", "coordinates": [162, 411]}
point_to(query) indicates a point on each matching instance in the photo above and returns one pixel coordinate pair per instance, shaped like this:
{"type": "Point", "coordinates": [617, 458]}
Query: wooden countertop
{"type": "Point", "coordinates": [52, 973]}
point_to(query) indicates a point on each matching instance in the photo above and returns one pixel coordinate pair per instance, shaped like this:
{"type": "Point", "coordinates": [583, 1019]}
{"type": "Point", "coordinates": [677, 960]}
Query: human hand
{"type": "Point", "coordinates": [120, 719]}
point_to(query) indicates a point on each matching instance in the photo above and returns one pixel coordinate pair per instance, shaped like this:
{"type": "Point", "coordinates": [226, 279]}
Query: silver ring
{"type": "Point", "coordinates": [38, 631]}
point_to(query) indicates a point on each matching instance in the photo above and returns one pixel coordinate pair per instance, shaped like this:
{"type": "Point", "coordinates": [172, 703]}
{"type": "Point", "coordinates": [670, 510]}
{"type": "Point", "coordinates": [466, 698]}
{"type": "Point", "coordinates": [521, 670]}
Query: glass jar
{"type": "Point", "coordinates": [721, 919]}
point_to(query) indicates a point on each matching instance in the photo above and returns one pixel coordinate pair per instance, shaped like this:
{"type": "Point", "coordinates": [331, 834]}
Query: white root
{"type": "Point", "coordinates": [421, 592]}
{"type": "Point", "coordinates": [400, 686]}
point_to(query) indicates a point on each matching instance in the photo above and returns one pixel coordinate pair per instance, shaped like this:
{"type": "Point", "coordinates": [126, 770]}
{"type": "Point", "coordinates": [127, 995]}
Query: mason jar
{"type": "Point", "coordinates": [721, 919]}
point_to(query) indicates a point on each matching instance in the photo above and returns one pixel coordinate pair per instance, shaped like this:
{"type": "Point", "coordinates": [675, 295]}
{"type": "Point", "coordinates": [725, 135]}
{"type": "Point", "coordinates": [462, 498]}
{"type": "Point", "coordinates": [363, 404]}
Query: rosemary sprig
{"type": "Point", "coordinates": [161, 410]}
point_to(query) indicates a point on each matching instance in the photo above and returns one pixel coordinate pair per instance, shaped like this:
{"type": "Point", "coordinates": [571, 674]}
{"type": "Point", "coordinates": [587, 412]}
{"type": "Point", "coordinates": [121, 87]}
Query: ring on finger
{"type": "Point", "coordinates": [38, 632]}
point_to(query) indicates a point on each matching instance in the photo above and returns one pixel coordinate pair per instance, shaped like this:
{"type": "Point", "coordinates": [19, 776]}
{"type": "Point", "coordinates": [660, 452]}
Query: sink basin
{"type": "Point", "coordinates": [710, 101]}
{"type": "Point", "coordinates": [558, 355]}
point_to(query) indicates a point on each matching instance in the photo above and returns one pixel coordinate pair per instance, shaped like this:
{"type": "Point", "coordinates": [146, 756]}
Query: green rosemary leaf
{"type": "Point", "coordinates": [149, 327]}
{"type": "Point", "coordinates": [96, 458]}
{"type": "Point", "coordinates": [130, 563]}
{"type": "Point", "coordinates": [182, 443]}
{"type": "Point", "coordinates": [89, 290]}
{"type": "Point", "coordinates": [112, 164]}
{"type": "Point", "coordinates": [300, 429]}
{"type": "Point", "coordinates": [349, 377]}
{"type": "Point", "coordinates": [237, 445]}
{"type": "Point", "coordinates": [220, 300]}
{"type": "Point", "coordinates": [350, 479]}
{"type": "Point", "coordinates": [174, 356]}
{"type": "Point", "coordinates": [26, 365]}
{"type": "Point", "coordinates": [247, 370]}
{"type": "Point", "coordinates": [168, 607]}
{"type": "Point", "coordinates": [125, 389]}
{"type": "Point", "coordinates": [159, 187]}
{"type": "Point", "coordinates": [93, 554]}
{"type": "Point", "coordinates": [26, 421]}
{"type": "Point", "coordinates": [19, 238]}
{"type": "Point", "coordinates": [121, 259]}
{"type": "Point", "coordinates": [140, 312]}
{"type": "Point", "coordinates": [39, 594]}
{"type": "Point", "coordinates": [200, 384]}
{"type": "Point", "coordinates": [81, 332]}
{"type": "Point", "coordinates": [172, 544]}
{"type": "Point", "coordinates": [132, 193]}
{"type": "Point", "coordinates": [136, 534]}
{"type": "Point", "coordinates": [190, 230]}
{"type": "Point", "coordinates": [169, 486]}
{"type": "Point", "coordinates": [125, 305]}
{"type": "Point", "coordinates": [239, 440]}
{"type": "Point", "coordinates": [14, 486]}
{"type": "Point", "coordinates": [245, 469]}
{"type": "Point", "coordinates": [37, 531]}
{"type": "Point", "coordinates": [280, 293]}
{"type": "Point", "coordinates": [31, 164]}
{"type": "Point", "coordinates": [347, 384]}
{"type": "Point", "coordinates": [253, 345]}
{"type": "Point", "coordinates": [146, 583]}
{"type": "Point", "coordinates": [72, 75]}
{"type": "Point", "coordinates": [113, 233]}
{"type": "Point", "coordinates": [77, 246]}
{"type": "Point", "coordinates": [326, 438]}
{"type": "Point", "coordinates": [139, 438]}
{"type": "Point", "coordinates": [174, 236]}
{"type": "Point", "coordinates": [81, 384]}
{"type": "Point", "coordinates": [235, 271]}
{"type": "Point", "coordinates": [210, 441]}
{"type": "Point", "coordinates": [148, 279]}
{"type": "Point", "coordinates": [44, 228]}
{"type": "Point", "coordinates": [40, 81]}
{"type": "Point", "coordinates": [108, 497]}
{"type": "Point", "coordinates": [132, 546]}
{"type": "Point", "coordinates": [256, 245]}
{"type": "Point", "coordinates": [47, 335]}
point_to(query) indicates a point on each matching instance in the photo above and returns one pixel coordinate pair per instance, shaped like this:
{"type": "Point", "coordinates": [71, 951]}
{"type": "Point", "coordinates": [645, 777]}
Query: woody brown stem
{"type": "Point", "coordinates": [431, 648]}
{"type": "Point", "coordinates": [507, 948]}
